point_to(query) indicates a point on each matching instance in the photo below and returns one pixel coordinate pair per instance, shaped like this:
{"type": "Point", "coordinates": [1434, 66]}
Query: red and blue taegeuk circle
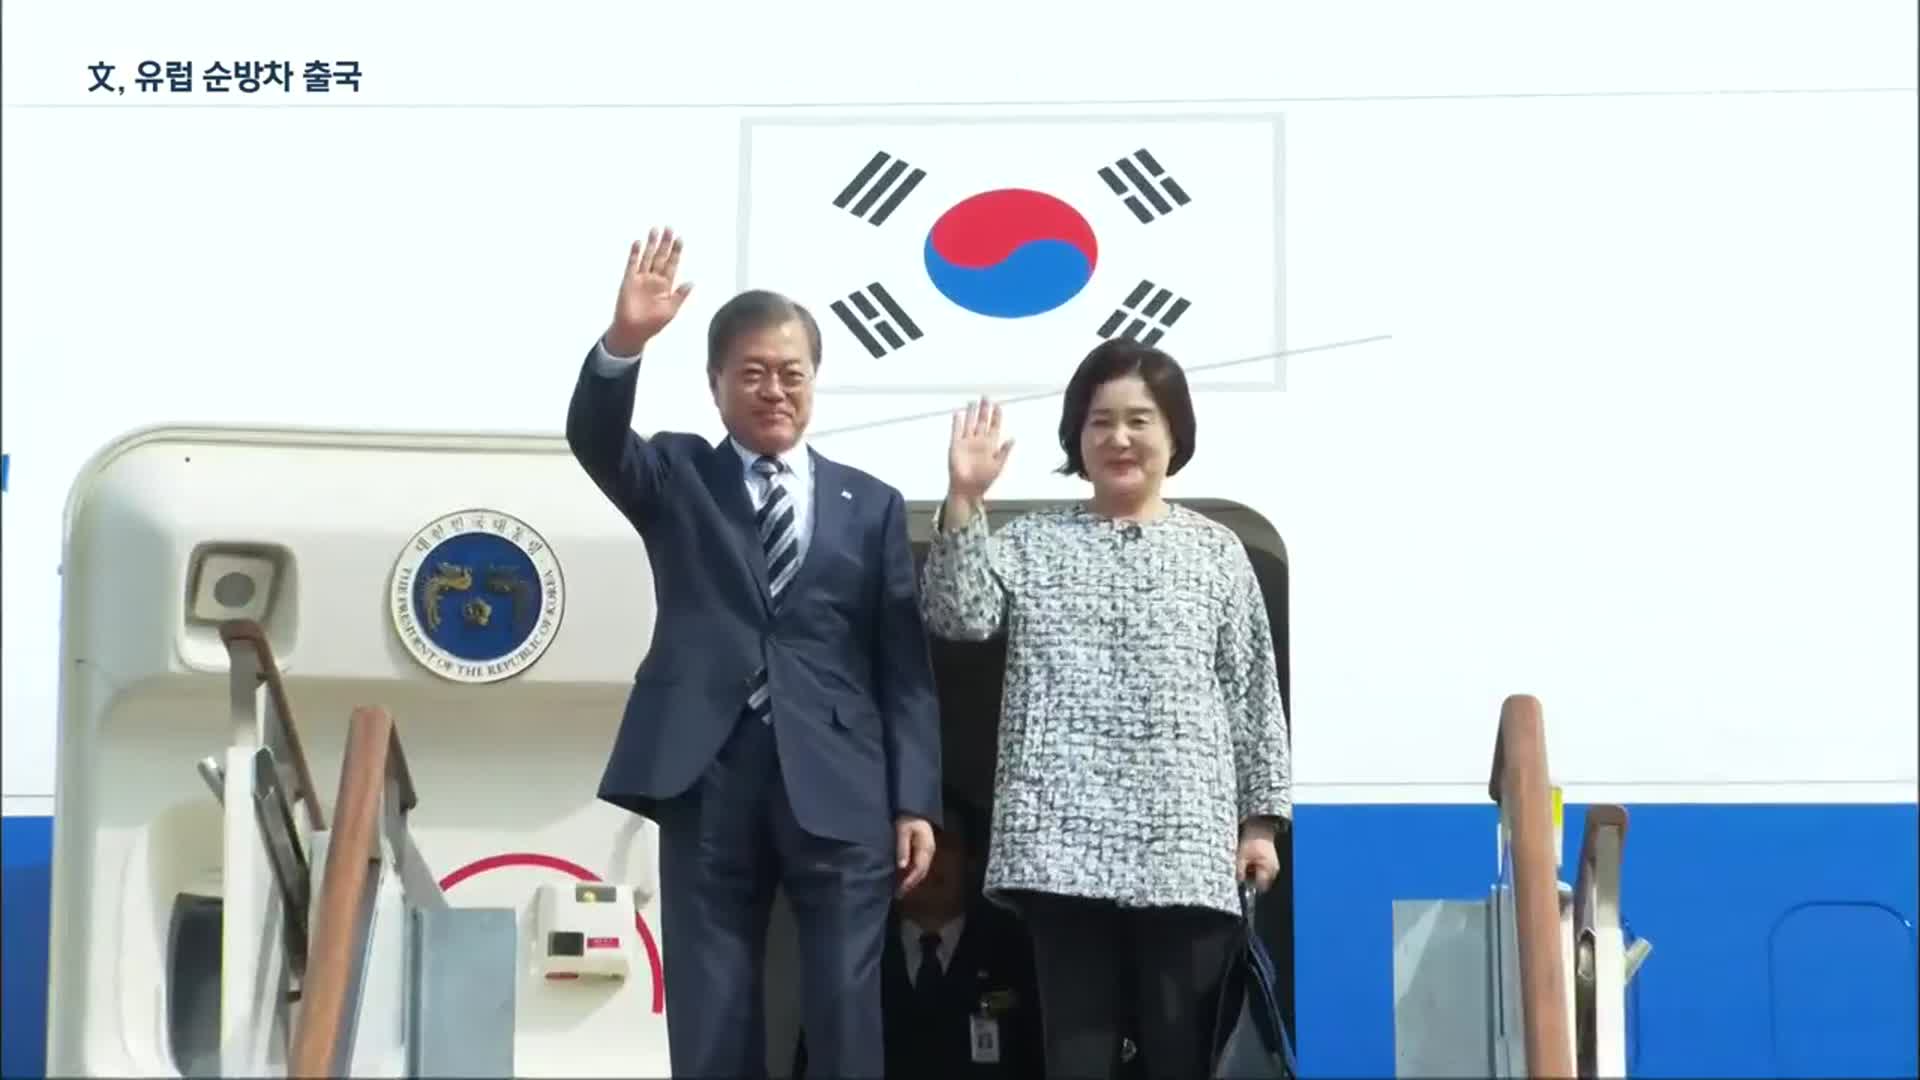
{"type": "Point", "coordinates": [1011, 253]}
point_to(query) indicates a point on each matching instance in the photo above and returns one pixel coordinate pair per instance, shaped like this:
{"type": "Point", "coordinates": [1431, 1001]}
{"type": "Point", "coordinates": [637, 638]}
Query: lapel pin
{"type": "Point", "coordinates": [847, 495]}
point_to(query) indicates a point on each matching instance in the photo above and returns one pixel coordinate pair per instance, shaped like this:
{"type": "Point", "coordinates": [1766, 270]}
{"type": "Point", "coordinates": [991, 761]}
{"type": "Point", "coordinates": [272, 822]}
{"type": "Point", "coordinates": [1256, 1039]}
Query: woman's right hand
{"type": "Point", "coordinates": [975, 455]}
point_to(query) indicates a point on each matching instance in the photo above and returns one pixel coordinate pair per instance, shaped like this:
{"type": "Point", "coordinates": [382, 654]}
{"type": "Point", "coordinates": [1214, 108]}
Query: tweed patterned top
{"type": "Point", "coordinates": [1141, 719]}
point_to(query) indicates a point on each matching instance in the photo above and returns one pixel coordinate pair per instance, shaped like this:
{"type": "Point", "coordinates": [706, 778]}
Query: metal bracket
{"type": "Point", "coordinates": [282, 840]}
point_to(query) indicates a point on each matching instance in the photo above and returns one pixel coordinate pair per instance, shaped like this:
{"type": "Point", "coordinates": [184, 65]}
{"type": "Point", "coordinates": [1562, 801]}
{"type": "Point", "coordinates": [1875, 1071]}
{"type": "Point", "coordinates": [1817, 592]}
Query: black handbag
{"type": "Point", "coordinates": [1249, 1037]}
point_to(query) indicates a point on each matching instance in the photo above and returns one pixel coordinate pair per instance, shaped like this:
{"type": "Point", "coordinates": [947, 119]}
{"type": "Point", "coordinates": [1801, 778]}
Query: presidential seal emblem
{"type": "Point", "coordinates": [477, 596]}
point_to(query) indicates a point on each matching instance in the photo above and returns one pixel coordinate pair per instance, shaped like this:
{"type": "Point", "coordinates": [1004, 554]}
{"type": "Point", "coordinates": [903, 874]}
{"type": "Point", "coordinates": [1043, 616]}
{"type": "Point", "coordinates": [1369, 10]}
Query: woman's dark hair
{"type": "Point", "coordinates": [1118, 358]}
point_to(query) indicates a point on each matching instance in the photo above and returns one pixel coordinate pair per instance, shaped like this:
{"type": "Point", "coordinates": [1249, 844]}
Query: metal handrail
{"type": "Point", "coordinates": [1519, 784]}
{"type": "Point", "coordinates": [253, 672]}
{"type": "Point", "coordinates": [376, 795]}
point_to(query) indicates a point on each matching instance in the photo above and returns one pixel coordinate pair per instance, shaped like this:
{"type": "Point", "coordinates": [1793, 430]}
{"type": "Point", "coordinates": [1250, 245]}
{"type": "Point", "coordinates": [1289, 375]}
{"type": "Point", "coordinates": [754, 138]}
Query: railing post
{"type": "Point", "coordinates": [262, 714]}
{"type": "Point", "coordinates": [245, 688]}
{"type": "Point", "coordinates": [1519, 784]}
{"type": "Point", "coordinates": [1602, 944]}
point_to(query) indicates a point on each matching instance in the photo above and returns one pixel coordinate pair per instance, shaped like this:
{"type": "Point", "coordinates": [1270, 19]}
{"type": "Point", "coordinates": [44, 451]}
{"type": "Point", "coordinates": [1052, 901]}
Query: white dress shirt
{"type": "Point", "coordinates": [910, 932]}
{"type": "Point", "coordinates": [796, 477]}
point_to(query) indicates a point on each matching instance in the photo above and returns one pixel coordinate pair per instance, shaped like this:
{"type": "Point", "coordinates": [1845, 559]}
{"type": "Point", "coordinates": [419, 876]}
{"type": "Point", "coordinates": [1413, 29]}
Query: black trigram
{"type": "Point", "coordinates": [1147, 313]}
{"type": "Point", "coordinates": [871, 185]}
{"type": "Point", "coordinates": [874, 317]}
{"type": "Point", "coordinates": [1139, 177]}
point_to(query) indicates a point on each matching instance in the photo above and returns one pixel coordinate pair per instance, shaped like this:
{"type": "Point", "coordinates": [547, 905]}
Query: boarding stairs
{"type": "Point", "coordinates": [1533, 979]}
{"type": "Point", "coordinates": [339, 955]}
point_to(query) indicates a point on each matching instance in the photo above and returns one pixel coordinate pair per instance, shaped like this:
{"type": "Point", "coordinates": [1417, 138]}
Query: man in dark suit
{"type": "Point", "coordinates": [783, 729]}
{"type": "Point", "coordinates": [957, 976]}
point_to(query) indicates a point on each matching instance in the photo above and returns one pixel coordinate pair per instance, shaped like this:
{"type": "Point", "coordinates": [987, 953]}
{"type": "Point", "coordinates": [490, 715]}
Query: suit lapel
{"type": "Point", "coordinates": [831, 516]}
{"type": "Point", "coordinates": [726, 478]}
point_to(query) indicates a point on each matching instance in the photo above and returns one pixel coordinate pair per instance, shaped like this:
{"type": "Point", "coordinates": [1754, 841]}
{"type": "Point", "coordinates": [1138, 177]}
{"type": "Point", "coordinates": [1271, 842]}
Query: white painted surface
{"type": "Point", "coordinates": [1630, 429]}
{"type": "Point", "coordinates": [1638, 441]}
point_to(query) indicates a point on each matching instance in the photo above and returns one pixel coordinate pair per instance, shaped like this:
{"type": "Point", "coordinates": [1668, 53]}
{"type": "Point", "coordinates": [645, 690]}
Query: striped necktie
{"type": "Point", "coordinates": [782, 544]}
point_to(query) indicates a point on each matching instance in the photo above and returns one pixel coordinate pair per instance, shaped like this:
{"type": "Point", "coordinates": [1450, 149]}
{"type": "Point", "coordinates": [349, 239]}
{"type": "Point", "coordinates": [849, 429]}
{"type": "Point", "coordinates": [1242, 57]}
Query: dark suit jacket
{"type": "Point", "coordinates": [934, 1040]}
{"type": "Point", "coordinates": [855, 712]}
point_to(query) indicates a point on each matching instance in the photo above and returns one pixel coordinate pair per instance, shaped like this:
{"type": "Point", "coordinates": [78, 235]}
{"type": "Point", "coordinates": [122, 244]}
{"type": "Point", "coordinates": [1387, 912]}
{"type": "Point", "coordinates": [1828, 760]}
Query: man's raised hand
{"type": "Point", "coordinates": [648, 298]}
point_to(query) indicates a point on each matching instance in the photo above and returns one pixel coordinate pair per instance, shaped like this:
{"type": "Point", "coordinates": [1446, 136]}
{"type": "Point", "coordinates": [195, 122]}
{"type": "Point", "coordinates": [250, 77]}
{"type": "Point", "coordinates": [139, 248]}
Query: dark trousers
{"type": "Point", "coordinates": [725, 847]}
{"type": "Point", "coordinates": [1105, 971]}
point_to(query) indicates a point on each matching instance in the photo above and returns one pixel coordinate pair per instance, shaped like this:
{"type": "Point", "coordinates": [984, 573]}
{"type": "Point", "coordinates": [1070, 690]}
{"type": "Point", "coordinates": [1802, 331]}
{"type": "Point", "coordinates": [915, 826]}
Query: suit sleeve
{"type": "Point", "coordinates": [909, 705]}
{"type": "Point", "coordinates": [625, 467]}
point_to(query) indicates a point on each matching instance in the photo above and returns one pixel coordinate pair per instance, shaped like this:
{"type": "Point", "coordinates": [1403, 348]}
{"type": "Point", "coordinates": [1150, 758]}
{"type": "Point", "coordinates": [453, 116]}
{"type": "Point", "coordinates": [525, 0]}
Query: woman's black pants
{"type": "Point", "coordinates": [1107, 971]}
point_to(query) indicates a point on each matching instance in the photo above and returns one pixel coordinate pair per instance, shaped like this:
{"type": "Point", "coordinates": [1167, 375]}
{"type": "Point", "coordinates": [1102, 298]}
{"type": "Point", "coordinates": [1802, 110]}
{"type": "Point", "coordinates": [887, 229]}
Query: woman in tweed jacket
{"type": "Point", "coordinates": [1143, 767]}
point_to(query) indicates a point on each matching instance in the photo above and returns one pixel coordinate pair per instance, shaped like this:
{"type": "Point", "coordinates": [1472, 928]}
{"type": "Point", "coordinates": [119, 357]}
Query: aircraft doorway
{"type": "Point", "coordinates": [970, 676]}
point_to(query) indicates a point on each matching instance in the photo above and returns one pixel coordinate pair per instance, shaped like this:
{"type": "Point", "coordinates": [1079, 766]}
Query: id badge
{"type": "Point", "coordinates": [986, 1039]}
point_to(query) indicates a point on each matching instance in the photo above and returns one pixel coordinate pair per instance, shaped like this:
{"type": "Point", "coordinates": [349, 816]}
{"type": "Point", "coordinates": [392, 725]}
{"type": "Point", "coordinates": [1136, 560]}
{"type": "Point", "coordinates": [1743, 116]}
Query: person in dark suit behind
{"type": "Point", "coordinates": [783, 730]}
{"type": "Point", "coordinates": [959, 995]}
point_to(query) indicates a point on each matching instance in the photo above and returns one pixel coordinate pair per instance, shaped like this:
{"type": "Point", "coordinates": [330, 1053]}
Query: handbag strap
{"type": "Point", "coordinates": [1235, 973]}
